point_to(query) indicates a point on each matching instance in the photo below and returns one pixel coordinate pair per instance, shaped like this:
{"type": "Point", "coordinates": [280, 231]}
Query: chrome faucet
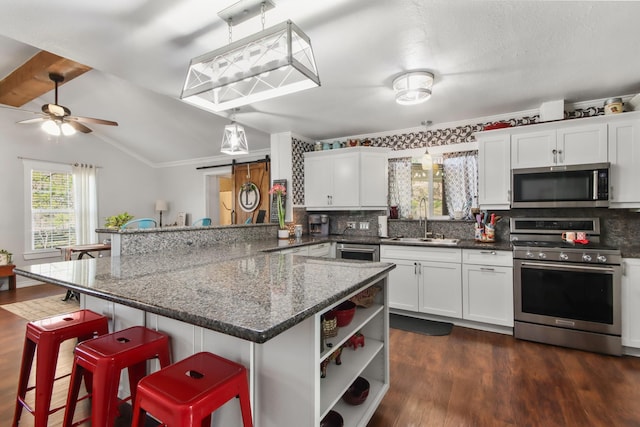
{"type": "Point", "coordinates": [426, 207]}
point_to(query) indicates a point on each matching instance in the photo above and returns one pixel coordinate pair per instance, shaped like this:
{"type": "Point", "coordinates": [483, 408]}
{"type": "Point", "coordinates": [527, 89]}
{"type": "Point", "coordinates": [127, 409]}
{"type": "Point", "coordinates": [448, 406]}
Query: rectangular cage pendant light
{"type": "Point", "coordinates": [273, 62]}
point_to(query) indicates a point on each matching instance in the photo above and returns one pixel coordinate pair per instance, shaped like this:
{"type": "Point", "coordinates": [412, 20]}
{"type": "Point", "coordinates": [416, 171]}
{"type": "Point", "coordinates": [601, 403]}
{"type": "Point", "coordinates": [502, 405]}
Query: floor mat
{"type": "Point", "coordinates": [419, 326]}
{"type": "Point", "coordinates": [42, 307]}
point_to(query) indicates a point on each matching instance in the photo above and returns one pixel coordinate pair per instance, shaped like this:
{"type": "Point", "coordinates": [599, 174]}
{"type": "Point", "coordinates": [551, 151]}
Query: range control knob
{"type": "Point", "coordinates": [563, 256]}
{"type": "Point", "coordinates": [542, 255]}
{"type": "Point", "coordinates": [602, 258]}
{"type": "Point", "coordinates": [529, 254]}
{"type": "Point", "coordinates": [586, 257]}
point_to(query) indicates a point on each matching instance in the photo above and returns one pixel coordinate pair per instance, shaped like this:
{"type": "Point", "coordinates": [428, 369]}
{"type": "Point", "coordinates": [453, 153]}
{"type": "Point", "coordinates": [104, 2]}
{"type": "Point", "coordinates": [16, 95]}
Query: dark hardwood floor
{"type": "Point", "coordinates": [469, 378]}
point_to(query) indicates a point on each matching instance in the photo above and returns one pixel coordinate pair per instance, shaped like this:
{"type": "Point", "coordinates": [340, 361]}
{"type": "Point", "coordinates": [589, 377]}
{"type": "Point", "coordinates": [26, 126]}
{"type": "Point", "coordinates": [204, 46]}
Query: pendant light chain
{"type": "Point", "coordinates": [262, 18]}
{"type": "Point", "coordinates": [230, 30]}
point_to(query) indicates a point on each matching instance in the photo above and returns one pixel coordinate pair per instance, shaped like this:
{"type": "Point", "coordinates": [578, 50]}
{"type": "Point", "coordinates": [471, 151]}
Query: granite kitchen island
{"type": "Point", "coordinates": [261, 309]}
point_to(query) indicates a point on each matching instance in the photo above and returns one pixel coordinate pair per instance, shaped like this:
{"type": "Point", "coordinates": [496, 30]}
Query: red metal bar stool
{"type": "Point", "coordinates": [186, 393]}
{"type": "Point", "coordinates": [100, 362]}
{"type": "Point", "coordinates": [46, 335]}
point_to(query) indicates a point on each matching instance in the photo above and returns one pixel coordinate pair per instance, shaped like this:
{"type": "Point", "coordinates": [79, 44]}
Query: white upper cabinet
{"type": "Point", "coordinates": [348, 178]}
{"type": "Point", "coordinates": [624, 155]}
{"type": "Point", "coordinates": [571, 145]}
{"type": "Point", "coordinates": [494, 167]}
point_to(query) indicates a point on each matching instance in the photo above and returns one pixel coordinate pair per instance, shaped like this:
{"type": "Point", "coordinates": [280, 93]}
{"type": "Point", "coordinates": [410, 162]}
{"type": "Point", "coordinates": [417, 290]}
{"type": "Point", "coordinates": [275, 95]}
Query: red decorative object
{"type": "Point", "coordinates": [497, 125]}
{"type": "Point", "coordinates": [344, 313]}
{"type": "Point", "coordinates": [357, 392]}
{"type": "Point", "coordinates": [356, 340]}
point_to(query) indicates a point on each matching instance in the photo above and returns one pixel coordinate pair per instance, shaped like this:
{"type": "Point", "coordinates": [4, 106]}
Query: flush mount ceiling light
{"type": "Point", "coordinates": [413, 87]}
{"type": "Point", "coordinates": [234, 140]}
{"type": "Point", "coordinates": [273, 62]}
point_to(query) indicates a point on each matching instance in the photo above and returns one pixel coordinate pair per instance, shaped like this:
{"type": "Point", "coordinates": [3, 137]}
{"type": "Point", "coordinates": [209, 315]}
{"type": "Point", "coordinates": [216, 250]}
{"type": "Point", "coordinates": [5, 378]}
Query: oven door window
{"type": "Point", "coordinates": [361, 256]}
{"type": "Point", "coordinates": [569, 294]}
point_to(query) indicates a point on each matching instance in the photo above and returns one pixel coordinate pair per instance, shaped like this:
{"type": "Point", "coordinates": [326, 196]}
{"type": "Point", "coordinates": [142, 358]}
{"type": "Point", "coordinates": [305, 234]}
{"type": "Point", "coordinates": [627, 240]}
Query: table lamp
{"type": "Point", "coordinates": [161, 205]}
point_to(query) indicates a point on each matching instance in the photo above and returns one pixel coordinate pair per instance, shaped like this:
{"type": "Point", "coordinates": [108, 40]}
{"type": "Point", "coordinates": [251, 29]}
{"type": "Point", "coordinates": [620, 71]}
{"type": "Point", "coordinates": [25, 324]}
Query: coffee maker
{"type": "Point", "coordinates": [318, 225]}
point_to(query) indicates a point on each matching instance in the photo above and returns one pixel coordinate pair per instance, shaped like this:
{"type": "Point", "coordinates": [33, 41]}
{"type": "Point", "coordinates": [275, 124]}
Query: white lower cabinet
{"type": "Point", "coordinates": [426, 280]}
{"type": "Point", "coordinates": [631, 302]}
{"type": "Point", "coordinates": [322, 250]}
{"type": "Point", "coordinates": [469, 284]}
{"type": "Point", "coordinates": [487, 286]}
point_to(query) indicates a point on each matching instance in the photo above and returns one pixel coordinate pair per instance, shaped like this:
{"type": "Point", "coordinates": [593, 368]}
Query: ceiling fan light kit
{"type": "Point", "coordinates": [56, 119]}
{"type": "Point", "coordinates": [273, 62]}
{"type": "Point", "coordinates": [413, 87]}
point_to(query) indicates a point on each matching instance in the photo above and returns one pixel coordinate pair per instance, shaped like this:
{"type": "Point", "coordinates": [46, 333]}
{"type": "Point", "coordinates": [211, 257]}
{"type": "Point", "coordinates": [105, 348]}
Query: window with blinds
{"type": "Point", "coordinates": [53, 221]}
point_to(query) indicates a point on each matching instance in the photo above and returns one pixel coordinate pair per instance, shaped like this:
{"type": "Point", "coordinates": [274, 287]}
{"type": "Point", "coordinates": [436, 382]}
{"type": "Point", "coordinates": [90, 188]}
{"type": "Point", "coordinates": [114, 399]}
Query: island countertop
{"type": "Point", "coordinates": [240, 289]}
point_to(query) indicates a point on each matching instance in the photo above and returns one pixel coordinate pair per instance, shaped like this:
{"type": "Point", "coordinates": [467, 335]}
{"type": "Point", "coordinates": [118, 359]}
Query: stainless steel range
{"type": "Point", "coordinates": [566, 293]}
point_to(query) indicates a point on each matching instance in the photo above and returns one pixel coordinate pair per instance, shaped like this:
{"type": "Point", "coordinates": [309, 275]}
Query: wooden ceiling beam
{"type": "Point", "coordinates": [31, 79]}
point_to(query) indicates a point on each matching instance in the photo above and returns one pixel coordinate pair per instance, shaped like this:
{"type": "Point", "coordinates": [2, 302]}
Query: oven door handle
{"type": "Point", "coordinates": [359, 250]}
{"type": "Point", "coordinates": [567, 267]}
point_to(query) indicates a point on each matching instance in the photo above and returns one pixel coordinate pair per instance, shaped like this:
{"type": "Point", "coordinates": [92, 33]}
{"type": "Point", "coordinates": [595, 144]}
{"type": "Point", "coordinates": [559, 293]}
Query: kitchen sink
{"type": "Point", "coordinates": [431, 241]}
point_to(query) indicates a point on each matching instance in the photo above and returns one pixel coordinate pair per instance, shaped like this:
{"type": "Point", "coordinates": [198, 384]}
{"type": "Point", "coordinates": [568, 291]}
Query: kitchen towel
{"type": "Point", "coordinates": [382, 226]}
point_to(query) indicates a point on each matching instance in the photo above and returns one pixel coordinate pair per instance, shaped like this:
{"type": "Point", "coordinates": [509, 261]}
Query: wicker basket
{"type": "Point", "coordinates": [329, 327]}
{"type": "Point", "coordinates": [366, 297]}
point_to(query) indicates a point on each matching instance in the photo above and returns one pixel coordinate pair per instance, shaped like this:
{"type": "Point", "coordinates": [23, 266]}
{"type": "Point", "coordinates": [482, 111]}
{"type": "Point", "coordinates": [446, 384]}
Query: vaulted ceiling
{"type": "Point", "coordinates": [488, 58]}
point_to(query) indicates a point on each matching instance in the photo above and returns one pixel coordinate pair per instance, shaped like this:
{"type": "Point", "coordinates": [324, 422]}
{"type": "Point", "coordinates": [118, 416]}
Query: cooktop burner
{"type": "Point", "coordinates": [540, 239]}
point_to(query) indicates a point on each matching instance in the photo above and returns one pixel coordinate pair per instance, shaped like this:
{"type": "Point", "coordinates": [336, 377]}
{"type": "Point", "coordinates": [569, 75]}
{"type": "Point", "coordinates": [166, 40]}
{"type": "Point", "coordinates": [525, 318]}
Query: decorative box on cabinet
{"type": "Point", "coordinates": [348, 178]}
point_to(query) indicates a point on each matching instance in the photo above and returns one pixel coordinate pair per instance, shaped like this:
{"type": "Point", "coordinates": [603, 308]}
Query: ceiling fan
{"type": "Point", "coordinates": [57, 119]}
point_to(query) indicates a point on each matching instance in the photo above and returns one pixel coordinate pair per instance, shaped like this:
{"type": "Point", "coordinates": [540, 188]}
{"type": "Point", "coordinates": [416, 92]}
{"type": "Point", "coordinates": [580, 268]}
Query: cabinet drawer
{"type": "Point", "coordinates": [487, 257]}
{"type": "Point", "coordinates": [420, 253]}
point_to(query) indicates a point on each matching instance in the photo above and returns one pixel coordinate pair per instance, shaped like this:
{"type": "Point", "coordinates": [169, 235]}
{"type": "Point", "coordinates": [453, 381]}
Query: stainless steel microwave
{"type": "Point", "coordinates": [571, 186]}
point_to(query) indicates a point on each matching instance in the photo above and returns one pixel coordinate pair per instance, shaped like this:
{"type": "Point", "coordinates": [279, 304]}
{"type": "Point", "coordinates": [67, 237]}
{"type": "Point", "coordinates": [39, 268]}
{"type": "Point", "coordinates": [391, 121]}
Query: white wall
{"type": "Point", "coordinates": [124, 183]}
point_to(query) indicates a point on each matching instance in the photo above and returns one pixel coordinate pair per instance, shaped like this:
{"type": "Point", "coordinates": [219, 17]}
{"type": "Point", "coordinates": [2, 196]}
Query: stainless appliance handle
{"type": "Point", "coordinates": [560, 266]}
{"type": "Point", "coordinates": [359, 250]}
{"type": "Point", "coordinates": [595, 185]}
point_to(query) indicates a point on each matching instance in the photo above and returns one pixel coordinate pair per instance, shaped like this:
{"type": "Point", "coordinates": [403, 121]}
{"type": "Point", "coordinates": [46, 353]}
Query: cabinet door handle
{"type": "Point", "coordinates": [509, 196]}
{"type": "Point", "coordinates": [415, 268]}
{"type": "Point", "coordinates": [560, 156]}
{"type": "Point", "coordinates": [555, 155]}
{"type": "Point", "coordinates": [487, 269]}
{"type": "Point", "coordinates": [489, 252]}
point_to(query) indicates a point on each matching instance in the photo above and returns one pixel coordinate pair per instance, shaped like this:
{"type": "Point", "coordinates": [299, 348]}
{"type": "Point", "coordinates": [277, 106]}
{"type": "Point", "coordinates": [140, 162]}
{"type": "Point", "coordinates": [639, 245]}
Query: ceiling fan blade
{"type": "Point", "coordinates": [28, 121]}
{"type": "Point", "coordinates": [56, 110]}
{"type": "Point", "coordinates": [92, 120]}
{"type": "Point", "coordinates": [79, 127]}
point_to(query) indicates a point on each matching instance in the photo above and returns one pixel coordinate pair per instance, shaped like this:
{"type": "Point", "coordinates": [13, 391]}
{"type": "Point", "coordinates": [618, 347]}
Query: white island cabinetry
{"type": "Point", "coordinates": [285, 371]}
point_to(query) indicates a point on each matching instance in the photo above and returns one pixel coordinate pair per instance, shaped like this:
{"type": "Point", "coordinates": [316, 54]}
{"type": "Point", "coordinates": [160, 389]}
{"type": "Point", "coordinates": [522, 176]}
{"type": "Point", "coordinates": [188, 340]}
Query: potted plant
{"type": "Point", "coordinates": [117, 221]}
{"type": "Point", "coordinates": [5, 257]}
{"type": "Point", "coordinates": [279, 192]}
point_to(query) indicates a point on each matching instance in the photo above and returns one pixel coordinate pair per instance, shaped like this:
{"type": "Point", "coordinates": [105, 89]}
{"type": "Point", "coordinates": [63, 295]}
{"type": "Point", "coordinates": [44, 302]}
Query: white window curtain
{"type": "Point", "coordinates": [84, 180]}
{"type": "Point", "coordinates": [461, 181]}
{"type": "Point", "coordinates": [400, 185]}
